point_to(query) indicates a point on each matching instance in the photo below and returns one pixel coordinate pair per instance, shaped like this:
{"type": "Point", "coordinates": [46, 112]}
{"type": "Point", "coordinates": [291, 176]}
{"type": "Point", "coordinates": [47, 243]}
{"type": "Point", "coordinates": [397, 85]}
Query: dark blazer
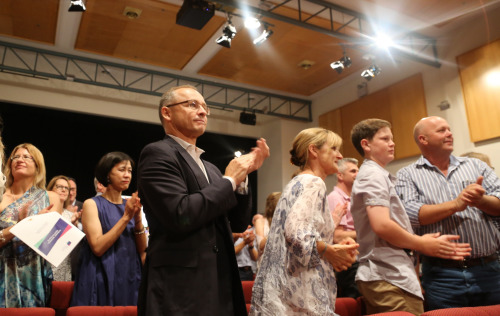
{"type": "Point", "coordinates": [190, 266]}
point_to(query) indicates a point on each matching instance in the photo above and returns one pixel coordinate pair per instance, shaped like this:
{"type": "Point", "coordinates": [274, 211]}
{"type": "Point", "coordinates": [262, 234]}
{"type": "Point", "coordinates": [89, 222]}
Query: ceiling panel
{"type": "Point", "coordinates": [153, 38]}
{"type": "Point", "coordinates": [33, 20]}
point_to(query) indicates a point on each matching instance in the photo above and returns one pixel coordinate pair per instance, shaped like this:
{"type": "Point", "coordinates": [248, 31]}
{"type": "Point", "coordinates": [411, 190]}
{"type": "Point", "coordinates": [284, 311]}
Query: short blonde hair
{"type": "Point", "coordinates": [40, 179]}
{"type": "Point", "coordinates": [316, 136]}
{"type": "Point", "coordinates": [52, 183]}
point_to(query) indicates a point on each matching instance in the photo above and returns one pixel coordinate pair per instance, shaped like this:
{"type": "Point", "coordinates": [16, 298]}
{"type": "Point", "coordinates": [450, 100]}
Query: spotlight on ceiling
{"type": "Point", "coordinates": [264, 36]}
{"type": "Point", "coordinates": [339, 65]}
{"type": "Point", "coordinates": [384, 41]}
{"type": "Point", "coordinates": [76, 6]}
{"type": "Point", "coordinates": [228, 34]}
{"type": "Point", "coordinates": [371, 72]}
{"type": "Point", "coordinates": [252, 23]}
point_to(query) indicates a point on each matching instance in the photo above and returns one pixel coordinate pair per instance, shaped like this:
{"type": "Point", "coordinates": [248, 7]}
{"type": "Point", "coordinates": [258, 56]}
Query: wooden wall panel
{"type": "Point", "coordinates": [372, 106]}
{"type": "Point", "coordinates": [480, 77]}
{"type": "Point", "coordinates": [402, 104]}
{"type": "Point", "coordinates": [407, 100]}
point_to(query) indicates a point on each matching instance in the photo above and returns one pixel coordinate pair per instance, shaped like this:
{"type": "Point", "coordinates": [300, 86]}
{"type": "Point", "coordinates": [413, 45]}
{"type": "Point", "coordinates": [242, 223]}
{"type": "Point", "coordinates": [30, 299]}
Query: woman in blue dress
{"type": "Point", "coordinates": [25, 277]}
{"type": "Point", "coordinates": [110, 262]}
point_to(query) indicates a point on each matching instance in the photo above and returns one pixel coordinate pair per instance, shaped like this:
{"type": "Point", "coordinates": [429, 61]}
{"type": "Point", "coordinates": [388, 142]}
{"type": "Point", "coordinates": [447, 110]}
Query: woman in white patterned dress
{"type": "Point", "coordinates": [296, 276]}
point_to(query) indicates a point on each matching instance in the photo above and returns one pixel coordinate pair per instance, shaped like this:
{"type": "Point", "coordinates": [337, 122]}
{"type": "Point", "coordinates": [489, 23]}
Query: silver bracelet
{"type": "Point", "coordinates": [140, 232]}
{"type": "Point", "coordinates": [2, 238]}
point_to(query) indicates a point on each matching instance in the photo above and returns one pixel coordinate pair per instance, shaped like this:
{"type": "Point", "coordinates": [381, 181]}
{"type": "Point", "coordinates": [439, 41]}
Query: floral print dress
{"type": "Point", "coordinates": [293, 279]}
{"type": "Point", "coordinates": [25, 277]}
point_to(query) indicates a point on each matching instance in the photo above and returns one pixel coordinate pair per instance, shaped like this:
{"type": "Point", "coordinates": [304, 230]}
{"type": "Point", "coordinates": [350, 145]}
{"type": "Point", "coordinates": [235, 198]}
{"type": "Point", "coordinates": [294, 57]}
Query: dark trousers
{"type": "Point", "coordinates": [460, 287]}
{"type": "Point", "coordinates": [246, 273]}
{"type": "Point", "coordinates": [346, 284]}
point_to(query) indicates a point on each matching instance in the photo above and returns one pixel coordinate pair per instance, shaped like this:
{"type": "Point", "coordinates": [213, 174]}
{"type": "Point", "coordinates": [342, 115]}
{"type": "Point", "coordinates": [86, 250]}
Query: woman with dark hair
{"type": "Point", "coordinates": [26, 277]}
{"type": "Point", "coordinates": [110, 262]}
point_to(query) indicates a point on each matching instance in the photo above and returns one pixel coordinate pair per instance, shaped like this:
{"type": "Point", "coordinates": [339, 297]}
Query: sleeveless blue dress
{"type": "Point", "coordinates": [112, 279]}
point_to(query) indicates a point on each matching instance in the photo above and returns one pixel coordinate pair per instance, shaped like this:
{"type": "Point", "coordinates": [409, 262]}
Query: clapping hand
{"type": "Point", "coordinates": [133, 207]}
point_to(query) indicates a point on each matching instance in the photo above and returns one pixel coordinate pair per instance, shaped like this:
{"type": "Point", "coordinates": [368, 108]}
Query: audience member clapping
{"type": "Point", "coordinates": [26, 277]}
{"type": "Point", "coordinates": [110, 264]}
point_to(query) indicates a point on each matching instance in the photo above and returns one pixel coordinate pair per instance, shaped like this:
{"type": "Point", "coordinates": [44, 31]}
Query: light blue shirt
{"type": "Point", "coordinates": [379, 259]}
{"type": "Point", "coordinates": [243, 257]}
{"type": "Point", "coordinates": [421, 183]}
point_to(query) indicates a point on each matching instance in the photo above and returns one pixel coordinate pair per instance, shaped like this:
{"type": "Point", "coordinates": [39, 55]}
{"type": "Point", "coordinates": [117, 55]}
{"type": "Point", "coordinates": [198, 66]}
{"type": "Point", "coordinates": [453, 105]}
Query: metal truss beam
{"type": "Point", "coordinates": [415, 46]}
{"type": "Point", "coordinates": [44, 63]}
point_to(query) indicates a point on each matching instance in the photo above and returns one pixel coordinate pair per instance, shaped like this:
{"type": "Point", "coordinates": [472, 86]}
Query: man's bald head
{"type": "Point", "coordinates": [432, 134]}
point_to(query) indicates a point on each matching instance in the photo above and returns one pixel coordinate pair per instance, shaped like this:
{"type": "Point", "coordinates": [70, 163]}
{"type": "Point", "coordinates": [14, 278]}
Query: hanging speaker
{"type": "Point", "coordinates": [248, 118]}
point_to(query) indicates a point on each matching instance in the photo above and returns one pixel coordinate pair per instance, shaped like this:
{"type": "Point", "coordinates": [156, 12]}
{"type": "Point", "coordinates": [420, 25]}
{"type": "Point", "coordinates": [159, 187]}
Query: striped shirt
{"type": "Point", "coordinates": [421, 183]}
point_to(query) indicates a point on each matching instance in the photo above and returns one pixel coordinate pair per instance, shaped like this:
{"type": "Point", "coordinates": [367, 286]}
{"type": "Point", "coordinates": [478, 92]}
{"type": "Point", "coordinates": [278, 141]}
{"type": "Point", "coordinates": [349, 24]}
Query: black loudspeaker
{"type": "Point", "coordinates": [195, 13]}
{"type": "Point", "coordinates": [248, 118]}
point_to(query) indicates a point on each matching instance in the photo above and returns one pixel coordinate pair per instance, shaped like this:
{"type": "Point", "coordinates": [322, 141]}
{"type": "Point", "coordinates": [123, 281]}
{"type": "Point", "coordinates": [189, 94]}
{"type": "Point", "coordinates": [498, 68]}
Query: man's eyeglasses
{"type": "Point", "coordinates": [193, 105]}
{"type": "Point", "coordinates": [61, 187]}
{"type": "Point", "coordinates": [24, 157]}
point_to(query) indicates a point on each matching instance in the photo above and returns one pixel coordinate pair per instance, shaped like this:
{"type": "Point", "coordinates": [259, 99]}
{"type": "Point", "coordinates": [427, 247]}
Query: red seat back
{"type": "Point", "coordinates": [102, 311]}
{"type": "Point", "coordinates": [27, 311]}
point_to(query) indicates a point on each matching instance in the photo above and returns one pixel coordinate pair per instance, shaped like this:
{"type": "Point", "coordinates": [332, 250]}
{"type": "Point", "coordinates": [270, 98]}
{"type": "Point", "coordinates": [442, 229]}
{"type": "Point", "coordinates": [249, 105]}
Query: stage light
{"type": "Point", "coordinates": [371, 72]}
{"type": "Point", "coordinates": [228, 34]}
{"type": "Point", "coordinates": [344, 62]}
{"type": "Point", "coordinates": [76, 6]}
{"type": "Point", "coordinates": [264, 36]}
{"type": "Point", "coordinates": [252, 23]}
{"type": "Point", "coordinates": [384, 41]}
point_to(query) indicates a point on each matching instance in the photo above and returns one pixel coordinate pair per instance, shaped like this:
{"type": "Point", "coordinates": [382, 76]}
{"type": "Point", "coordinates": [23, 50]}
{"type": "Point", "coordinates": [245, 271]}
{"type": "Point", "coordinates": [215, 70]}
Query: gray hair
{"type": "Point", "coordinates": [342, 163]}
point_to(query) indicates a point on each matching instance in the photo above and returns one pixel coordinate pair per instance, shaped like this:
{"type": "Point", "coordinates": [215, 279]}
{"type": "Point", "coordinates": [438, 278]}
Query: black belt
{"type": "Point", "coordinates": [245, 268]}
{"type": "Point", "coordinates": [461, 264]}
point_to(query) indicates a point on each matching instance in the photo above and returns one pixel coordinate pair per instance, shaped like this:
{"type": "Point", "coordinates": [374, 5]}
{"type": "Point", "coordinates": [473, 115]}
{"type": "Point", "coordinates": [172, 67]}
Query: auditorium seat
{"type": "Point", "coordinates": [347, 306]}
{"type": "Point", "coordinates": [27, 311]}
{"type": "Point", "coordinates": [247, 290]}
{"type": "Point", "coordinates": [61, 296]}
{"type": "Point", "coordinates": [493, 310]}
{"type": "Point", "coordinates": [102, 311]}
{"type": "Point", "coordinates": [396, 313]}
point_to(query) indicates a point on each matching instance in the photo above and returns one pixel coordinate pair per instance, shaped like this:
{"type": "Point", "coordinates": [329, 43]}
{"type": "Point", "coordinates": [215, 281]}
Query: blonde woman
{"type": "Point", "coordinates": [296, 275]}
{"type": "Point", "coordinates": [60, 186]}
{"type": "Point", "coordinates": [26, 277]}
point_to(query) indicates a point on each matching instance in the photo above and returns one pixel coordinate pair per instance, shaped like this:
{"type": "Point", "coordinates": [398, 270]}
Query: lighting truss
{"type": "Point", "coordinates": [40, 63]}
{"type": "Point", "coordinates": [417, 47]}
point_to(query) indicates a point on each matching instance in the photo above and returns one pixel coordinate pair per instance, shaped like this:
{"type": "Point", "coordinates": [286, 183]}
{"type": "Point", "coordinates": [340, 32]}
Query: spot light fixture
{"type": "Point", "coordinates": [339, 65]}
{"type": "Point", "coordinates": [371, 72]}
{"type": "Point", "coordinates": [252, 23]}
{"type": "Point", "coordinates": [266, 33]}
{"type": "Point", "coordinates": [228, 33]}
{"type": "Point", "coordinates": [76, 6]}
